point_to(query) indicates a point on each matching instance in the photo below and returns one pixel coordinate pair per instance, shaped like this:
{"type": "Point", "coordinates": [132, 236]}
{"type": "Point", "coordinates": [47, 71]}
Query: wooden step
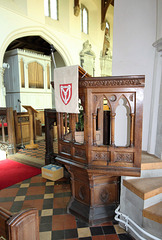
{"type": "Point", "coordinates": [144, 187]}
{"type": "Point", "coordinates": [154, 213]}
{"type": "Point", "coordinates": [149, 162]}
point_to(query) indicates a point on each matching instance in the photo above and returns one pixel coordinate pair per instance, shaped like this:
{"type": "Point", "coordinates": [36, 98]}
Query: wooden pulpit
{"type": "Point", "coordinates": [31, 112]}
{"type": "Point", "coordinates": [90, 153]}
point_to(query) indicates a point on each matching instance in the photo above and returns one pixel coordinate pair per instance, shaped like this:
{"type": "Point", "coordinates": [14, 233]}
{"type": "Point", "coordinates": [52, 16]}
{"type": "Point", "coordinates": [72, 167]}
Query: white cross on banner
{"type": "Point", "coordinates": [66, 89]}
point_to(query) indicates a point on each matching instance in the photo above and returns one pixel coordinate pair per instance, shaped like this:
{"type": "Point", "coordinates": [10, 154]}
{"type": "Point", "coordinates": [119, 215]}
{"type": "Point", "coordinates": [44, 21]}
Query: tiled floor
{"type": "Point", "coordinates": [51, 200]}
{"type": "Point", "coordinates": [38, 153]}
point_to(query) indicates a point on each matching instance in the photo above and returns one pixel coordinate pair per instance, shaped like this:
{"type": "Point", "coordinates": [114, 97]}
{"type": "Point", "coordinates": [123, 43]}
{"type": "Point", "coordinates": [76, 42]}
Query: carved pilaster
{"type": "Point", "coordinates": [66, 123]}
{"type": "Point", "coordinates": [73, 115]}
{"type": "Point", "coordinates": [132, 130]}
{"type": "Point", "coordinates": [62, 125]}
{"type": "Point", "coordinates": [113, 128]}
{"type": "Point", "coordinates": [94, 129]}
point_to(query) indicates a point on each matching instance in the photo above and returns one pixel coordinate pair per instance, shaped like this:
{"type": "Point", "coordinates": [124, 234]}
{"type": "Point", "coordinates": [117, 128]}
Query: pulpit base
{"type": "Point", "coordinates": [92, 215]}
{"type": "Point", "coordinates": [94, 196]}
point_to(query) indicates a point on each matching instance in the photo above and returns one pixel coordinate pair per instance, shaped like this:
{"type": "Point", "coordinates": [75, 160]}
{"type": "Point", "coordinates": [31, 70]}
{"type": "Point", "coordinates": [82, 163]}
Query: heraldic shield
{"type": "Point", "coordinates": [66, 92]}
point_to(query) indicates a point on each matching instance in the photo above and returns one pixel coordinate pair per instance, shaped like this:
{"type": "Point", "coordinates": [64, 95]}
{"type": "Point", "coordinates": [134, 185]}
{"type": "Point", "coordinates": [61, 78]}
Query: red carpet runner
{"type": "Point", "coordinates": [12, 172]}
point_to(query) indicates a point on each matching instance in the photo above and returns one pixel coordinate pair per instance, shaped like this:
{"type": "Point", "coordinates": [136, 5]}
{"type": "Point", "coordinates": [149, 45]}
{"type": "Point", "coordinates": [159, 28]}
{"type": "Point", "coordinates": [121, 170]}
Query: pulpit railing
{"type": "Point", "coordinates": [119, 93]}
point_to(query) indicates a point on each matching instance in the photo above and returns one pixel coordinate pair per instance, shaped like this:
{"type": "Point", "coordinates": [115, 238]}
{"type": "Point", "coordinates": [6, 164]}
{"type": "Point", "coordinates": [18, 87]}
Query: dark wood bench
{"type": "Point", "coordinates": [21, 226]}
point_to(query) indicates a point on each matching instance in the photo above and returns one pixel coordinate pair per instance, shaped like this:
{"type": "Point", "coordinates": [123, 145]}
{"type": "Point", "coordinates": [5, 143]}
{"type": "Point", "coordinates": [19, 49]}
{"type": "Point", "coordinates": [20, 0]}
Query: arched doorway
{"type": "Point", "coordinates": [32, 42]}
{"type": "Point", "coordinates": [30, 73]}
{"type": "Point", "coordinates": [61, 55]}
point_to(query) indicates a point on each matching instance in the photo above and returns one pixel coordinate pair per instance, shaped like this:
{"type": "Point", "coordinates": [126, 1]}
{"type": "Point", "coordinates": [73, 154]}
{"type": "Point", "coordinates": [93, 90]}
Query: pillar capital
{"type": "Point", "coordinates": [2, 70]}
{"type": "Point", "coordinates": [158, 45]}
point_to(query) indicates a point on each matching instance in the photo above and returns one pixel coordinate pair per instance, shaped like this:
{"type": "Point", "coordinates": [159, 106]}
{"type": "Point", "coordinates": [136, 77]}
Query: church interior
{"type": "Point", "coordinates": [110, 148]}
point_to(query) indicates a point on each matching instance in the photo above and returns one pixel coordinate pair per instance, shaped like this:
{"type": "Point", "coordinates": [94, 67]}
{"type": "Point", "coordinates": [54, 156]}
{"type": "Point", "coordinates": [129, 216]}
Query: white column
{"type": "Point", "coordinates": [155, 98]}
{"type": "Point", "coordinates": [2, 88]}
{"type": "Point", "coordinates": [157, 79]}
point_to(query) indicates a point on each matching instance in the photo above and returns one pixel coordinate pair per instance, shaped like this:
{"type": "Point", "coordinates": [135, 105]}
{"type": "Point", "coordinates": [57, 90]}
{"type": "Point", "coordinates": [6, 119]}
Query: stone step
{"type": "Point", "coordinates": [144, 187]}
{"type": "Point", "coordinates": [141, 198]}
{"type": "Point", "coordinates": [154, 212]}
{"type": "Point", "coordinates": [150, 162]}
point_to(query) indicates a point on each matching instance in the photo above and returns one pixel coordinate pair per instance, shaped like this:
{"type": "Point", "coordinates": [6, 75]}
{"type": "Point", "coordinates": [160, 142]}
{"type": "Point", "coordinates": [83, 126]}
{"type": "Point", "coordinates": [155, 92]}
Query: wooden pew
{"type": "Point", "coordinates": [3, 122]}
{"type": "Point", "coordinates": [40, 122]}
{"type": "Point", "coordinates": [7, 113]}
{"type": "Point", "coordinates": [21, 226]}
{"type": "Point", "coordinates": [21, 120]}
{"type": "Point", "coordinates": [22, 123]}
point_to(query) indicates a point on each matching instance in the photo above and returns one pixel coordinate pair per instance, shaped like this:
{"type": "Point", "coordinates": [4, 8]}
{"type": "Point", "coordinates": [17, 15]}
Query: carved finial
{"type": "Point", "coordinates": [76, 10]}
{"type": "Point", "coordinates": [103, 25]}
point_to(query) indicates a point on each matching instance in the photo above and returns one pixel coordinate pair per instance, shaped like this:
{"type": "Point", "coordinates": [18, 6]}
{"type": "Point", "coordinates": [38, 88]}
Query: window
{"type": "Point", "coordinates": [84, 16]}
{"type": "Point", "coordinates": [51, 9]}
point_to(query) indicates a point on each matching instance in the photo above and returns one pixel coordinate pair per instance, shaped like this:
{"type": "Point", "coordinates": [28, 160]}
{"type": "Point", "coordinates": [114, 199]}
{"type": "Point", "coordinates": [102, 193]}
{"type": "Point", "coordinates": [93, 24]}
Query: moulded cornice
{"type": "Point", "coordinates": [158, 45]}
{"type": "Point", "coordinates": [137, 81]}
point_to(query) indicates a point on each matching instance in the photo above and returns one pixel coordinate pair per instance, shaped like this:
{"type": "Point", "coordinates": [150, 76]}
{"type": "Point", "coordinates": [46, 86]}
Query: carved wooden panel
{"type": "Point", "coordinates": [108, 193]}
{"type": "Point", "coordinates": [21, 123]}
{"type": "Point", "coordinates": [126, 157]}
{"type": "Point", "coordinates": [100, 158]}
{"type": "Point", "coordinates": [82, 192]}
{"type": "Point", "coordinates": [80, 153]}
{"type": "Point", "coordinates": [65, 149]}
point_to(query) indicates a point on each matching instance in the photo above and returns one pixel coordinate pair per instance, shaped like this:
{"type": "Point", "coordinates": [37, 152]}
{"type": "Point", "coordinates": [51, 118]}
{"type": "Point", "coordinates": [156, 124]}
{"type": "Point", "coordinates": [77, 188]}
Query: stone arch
{"type": "Point", "coordinates": [38, 31]}
{"type": "Point", "coordinates": [30, 31]}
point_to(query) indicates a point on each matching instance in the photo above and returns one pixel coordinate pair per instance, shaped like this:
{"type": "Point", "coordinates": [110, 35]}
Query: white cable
{"type": "Point", "coordinates": [126, 221]}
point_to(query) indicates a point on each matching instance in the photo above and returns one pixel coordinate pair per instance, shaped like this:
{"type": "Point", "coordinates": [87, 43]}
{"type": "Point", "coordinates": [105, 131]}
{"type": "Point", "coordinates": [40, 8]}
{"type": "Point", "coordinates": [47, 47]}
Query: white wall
{"type": "Point", "coordinates": [133, 53]}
